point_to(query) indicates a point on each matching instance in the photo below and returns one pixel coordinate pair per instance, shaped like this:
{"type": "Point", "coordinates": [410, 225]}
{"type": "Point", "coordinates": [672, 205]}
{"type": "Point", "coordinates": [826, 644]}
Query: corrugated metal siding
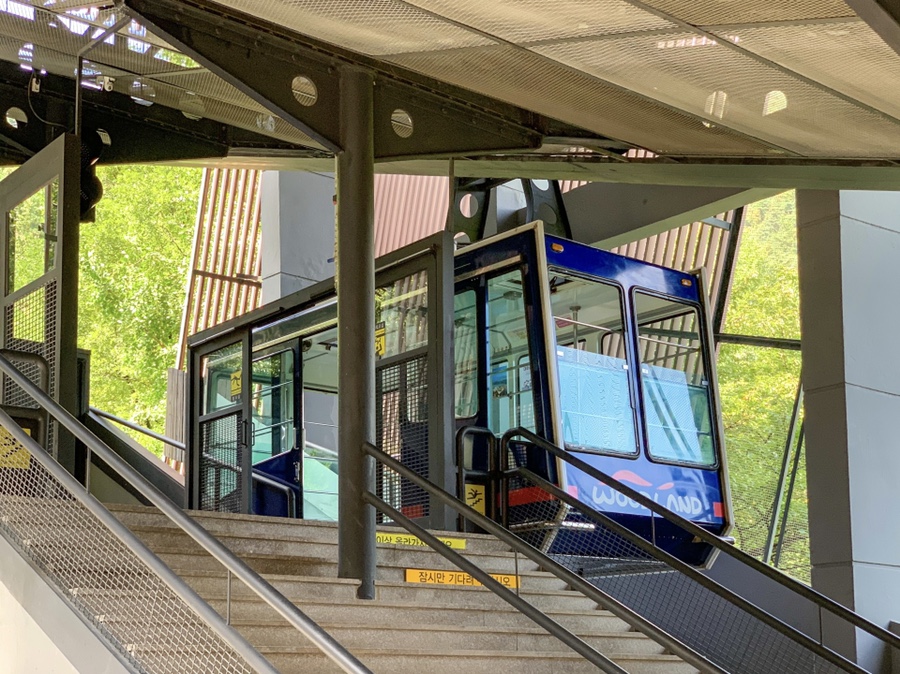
{"type": "Point", "coordinates": [223, 281]}
{"type": "Point", "coordinates": [408, 208]}
{"type": "Point", "coordinates": [686, 248]}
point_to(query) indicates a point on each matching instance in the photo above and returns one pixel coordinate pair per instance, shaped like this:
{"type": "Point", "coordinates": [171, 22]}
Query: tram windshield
{"type": "Point", "coordinates": [676, 390]}
{"type": "Point", "coordinates": [595, 400]}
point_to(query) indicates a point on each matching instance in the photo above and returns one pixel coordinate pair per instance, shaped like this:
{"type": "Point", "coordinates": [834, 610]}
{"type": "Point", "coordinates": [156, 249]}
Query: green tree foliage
{"type": "Point", "coordinates": [134, 260]}
{"type": "Point", "coordinates": [758, 384]}
{"type": "Point", "coordinates": [133, 268]}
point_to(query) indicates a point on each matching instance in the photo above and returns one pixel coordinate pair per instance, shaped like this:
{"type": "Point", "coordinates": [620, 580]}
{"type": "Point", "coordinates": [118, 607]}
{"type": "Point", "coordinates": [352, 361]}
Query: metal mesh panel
{"type": "Point", "coordinates": [376, 27]}
{"type": "Point", "coordinates": [726, 634]}
{"type": "Point", "coordinates": [221, 458]}
{"type": "Point", "coordinates": [31, 327]}
{"type": "Point", "coordinates": [708, 12]}
{"type": "Point", "coordinates": [100, 577]}
{"type": "Point", "coordinates": [523, 78]}
{"type": "Point", "coordinates": [402, 431]}
{"type": "Point", "coordinates": [530, 21]}
{"type": "Point", "coordinates": [706, 78]}
{"type": "Point", "coordinates": [144, 66]}
{"type": "Point", "coordinates": [132, 50]}
{"type": "Point", "coordinates": [847, 56]}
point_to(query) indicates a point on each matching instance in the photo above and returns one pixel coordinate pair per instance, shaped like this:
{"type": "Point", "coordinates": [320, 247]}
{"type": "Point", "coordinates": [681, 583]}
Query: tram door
{"type": "Point", "coordinates": [274, 446]}
{"type": "Point", "coordinates": [295, 428]}
{"type": "Point", "coordinates": [494, 373]}
{"type": "Point", "coordinates": [219, 469]}
{"type": "Point", "coordinates": [319, 436]}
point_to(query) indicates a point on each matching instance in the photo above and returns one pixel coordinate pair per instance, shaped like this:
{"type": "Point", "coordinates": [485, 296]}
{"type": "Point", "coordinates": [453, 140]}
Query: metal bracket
{"type": "Point", "coordinates": [262, 60]}
{"type": "Point", "coordinates": [139, 134]}
{"type": "Point", "coordinates": [472, 196]}
{"type": "Point", "coordinates": [546, 204]}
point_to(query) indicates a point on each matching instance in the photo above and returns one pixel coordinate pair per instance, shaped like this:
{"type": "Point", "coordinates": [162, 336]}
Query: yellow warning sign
{"type": "Point", "coordinates": [475, 497]}
{"type": "Point", "coordinates": [12, 454]}
{"type": "Point", "coordinates": [380, 339]}
{"type": "Point", "coordinates": [408, 539]}
{"type": "Point", "coordinates": [439, 577]}
{"type": "Point", "coordinates": [235, 384]}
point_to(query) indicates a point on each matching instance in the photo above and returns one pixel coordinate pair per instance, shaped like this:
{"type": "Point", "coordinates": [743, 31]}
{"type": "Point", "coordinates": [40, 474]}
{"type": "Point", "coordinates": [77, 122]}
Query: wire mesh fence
{"type": "Point", "coordinates": [132, 607]}
{"type": "Point", "coordinates": [637, 572]}
{"type": "Point", "coordinates": [642, 580]}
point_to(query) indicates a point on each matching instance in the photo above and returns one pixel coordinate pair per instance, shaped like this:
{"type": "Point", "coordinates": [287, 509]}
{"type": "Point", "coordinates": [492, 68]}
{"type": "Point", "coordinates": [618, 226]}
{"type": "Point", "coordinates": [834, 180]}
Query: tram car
{"type": "Point", "coordinates": [605, 356]}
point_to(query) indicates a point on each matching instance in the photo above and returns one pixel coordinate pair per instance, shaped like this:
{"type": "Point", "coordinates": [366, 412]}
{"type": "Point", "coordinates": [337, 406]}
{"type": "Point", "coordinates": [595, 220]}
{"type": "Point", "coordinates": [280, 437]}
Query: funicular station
{"type": "Point", "coordinates": [495, 448]}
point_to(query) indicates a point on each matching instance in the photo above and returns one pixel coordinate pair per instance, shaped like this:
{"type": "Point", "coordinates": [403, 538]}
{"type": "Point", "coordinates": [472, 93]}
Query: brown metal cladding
{"type": "Point", "coordinates": [224, 277]}
{"type": "Point", "coordinates": [408, 208]}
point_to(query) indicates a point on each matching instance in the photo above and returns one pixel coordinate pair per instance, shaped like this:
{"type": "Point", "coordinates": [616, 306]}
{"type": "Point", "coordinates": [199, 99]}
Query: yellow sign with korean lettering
{"type": "Point", "coordinates": [409, 539]}
{"type": "Point", "coordinates": [380, 339]}
{"type": "Point", "coordinates": [441, 577]}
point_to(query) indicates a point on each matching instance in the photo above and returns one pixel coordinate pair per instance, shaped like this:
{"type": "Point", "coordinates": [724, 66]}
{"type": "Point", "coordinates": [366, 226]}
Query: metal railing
{"type": "Point", "coordinates": [573, 580]}
{"type": "Point", "coordinates": [148, 614]}
{"type": "Point", "coordinates": [726, 627]}
{"type": "Point", "coordinates": [289, 494]}
{"type": "Point", "coordinates": [137, 427]}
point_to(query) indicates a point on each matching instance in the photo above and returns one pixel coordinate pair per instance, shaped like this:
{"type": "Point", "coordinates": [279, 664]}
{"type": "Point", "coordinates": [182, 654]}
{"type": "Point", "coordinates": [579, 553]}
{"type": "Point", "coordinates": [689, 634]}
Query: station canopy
{"type": "Point", "coordinates": [654, 80]}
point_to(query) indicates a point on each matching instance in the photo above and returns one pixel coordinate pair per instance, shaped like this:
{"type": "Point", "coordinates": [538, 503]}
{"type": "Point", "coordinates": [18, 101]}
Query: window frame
{"type": "Point", "coordinates": [629, 360]}
{"type": "Point", "coordinates": [706, 354]}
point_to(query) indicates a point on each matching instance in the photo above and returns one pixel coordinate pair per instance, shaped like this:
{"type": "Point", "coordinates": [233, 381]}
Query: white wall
{"type": "Point", "coordinates": [39, 633]}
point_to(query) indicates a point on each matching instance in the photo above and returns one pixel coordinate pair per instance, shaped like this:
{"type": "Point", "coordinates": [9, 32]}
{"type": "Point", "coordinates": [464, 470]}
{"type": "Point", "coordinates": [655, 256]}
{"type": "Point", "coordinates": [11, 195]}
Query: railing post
{"type": "Point", "coordinates": [356, 327]}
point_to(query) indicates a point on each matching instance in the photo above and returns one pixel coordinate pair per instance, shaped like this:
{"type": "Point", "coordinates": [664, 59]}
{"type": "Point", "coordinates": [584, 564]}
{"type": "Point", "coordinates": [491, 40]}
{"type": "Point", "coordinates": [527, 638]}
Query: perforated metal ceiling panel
{"type": "Point", "coordinates": [145, 67]}
{"type": "Point", "coordinates": [681, 78]}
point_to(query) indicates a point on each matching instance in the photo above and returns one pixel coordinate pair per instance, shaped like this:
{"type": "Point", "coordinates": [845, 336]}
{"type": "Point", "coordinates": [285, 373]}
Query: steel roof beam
{"type": "Point", "coordinates": [262, 59]}
{"type": "Point", "coordinates": [139, 134]}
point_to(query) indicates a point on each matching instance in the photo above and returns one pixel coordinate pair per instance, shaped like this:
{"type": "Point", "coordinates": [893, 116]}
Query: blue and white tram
{"type": "Point", "coordinates": [605, 356]}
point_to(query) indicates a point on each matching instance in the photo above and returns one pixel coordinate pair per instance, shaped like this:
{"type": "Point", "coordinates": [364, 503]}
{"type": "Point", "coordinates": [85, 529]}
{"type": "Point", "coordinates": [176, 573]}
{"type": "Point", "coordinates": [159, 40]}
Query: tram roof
{"type": "Point", "coordinates": [689, 91]}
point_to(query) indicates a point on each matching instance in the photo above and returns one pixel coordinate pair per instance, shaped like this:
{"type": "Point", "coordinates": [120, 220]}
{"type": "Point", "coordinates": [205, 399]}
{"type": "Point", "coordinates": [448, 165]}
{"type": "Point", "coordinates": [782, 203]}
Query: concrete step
{"type": "Point", "coordinates": [449, 661]}
{"type": "Point", "coordinates": [304, 588]}
{"type": "Point", "coordinates": [303, 566]}
{"type": "Point", "coordinates": [410, 627]}
{"type": "Point", "coordinates": [249, 545]}
{"type": "Point", "coordinates": [409, 614]}
{"type": "Point", "coordinates": [279, 528]}
{"type": "Point", "coordinates": [447, 637]}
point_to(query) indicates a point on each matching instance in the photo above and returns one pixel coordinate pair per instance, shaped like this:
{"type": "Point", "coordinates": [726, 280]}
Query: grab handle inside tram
{"type": "Point", "coordinates": [468, 477]}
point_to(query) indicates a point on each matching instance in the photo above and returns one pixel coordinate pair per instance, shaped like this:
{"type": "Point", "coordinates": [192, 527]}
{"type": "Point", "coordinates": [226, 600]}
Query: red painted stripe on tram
{"type": "Point", "coordinates": [526, 495]}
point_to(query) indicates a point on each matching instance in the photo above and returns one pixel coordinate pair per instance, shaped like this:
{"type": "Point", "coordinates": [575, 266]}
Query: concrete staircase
{"type": "Point", "coordinates": [409, 627]}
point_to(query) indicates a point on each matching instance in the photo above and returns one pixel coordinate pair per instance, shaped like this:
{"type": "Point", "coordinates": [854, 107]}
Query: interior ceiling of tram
{"type": "Point", "coordinates": [749, 93]}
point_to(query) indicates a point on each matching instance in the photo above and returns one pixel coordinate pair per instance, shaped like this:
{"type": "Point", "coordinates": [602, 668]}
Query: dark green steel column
{"type": "Point", "coordinates": [355, 262]}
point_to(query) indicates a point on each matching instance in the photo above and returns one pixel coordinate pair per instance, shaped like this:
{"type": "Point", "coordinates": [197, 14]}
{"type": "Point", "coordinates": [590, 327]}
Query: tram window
{"type": "Point", "coordinates": [221, 376]}
{"type": "Point", "coordinates": [401, 315]}
{"type": "Point", "coordinates": [526, 406]}
{"type": "Point", "coordinates": [675, 387]}
{"type": "Point", "coordinates": [508, 340]}
{"type": "Point", "coordinates": [273, 405]}
{"type": "Point", "coordinates": [465, 354]}
{"type": "Point", "coordinates": [594, 394]}
{"type": "Point", "coordinates": [320, 422]}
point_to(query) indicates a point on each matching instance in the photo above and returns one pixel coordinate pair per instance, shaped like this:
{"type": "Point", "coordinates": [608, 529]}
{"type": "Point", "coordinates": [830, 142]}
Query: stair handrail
{"type": "Point", "coordinates": [660, 636]}
{"type": "Point", "coordinates": [177, 444]}
{"type": "Point", "coordinates": [290, 495]}
{"type": "Point", "coordinates": [703, 535]}
{"type": "Point", "coordinates": [293, 615]}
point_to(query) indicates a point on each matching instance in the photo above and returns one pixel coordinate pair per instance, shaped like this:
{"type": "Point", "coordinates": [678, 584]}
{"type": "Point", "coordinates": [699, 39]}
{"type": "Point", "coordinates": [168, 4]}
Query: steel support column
{"type": "Point", "coordinates": [355, 278]}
